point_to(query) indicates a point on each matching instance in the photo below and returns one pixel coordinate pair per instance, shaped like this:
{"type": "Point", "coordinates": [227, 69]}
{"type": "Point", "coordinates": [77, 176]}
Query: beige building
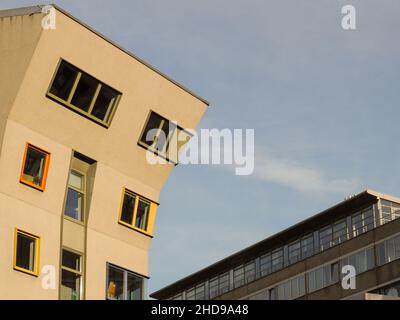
{"type": "Point", "coordinates": [78, 198]}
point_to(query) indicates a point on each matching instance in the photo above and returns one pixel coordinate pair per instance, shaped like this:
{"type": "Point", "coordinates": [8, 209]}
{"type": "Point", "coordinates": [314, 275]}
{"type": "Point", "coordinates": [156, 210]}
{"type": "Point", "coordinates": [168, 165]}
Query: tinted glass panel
{"type": "Point", "coordinates": [71, 260]}
{"type": "Point", "coordinates": [134, 287]}
{"type": "Point", "coordinates": [128, 208]}
{"type": "Point", "coordinates": [25, 252]}
{"type": "Point", "coordinates": [84, 93]}
{"type": "Point", "coordinates": [34, 166]}
{"type": "Point", "coordinates": [64, 81]}
{"type": "Point", "coordinates": [142, 215]}
{"type": "Point", "coordinates": [74, 204]}
{"type": "Point", "coordinates": [70, 285]}
{"type": "Point", "coordinates": [104, 103]}
{"type": "Point", "coordinates": [115, 285]}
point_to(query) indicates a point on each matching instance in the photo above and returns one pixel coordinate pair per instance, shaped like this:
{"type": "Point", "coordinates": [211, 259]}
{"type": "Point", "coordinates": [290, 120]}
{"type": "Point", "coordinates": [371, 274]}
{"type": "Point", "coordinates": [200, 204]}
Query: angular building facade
{"type": "Point", "coordinates": [78, 198]}
{"type": "Point", "coordinates": [349, 251]}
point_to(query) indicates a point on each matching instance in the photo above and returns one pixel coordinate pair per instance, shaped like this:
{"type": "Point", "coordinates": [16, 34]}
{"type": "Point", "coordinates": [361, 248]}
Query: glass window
{"type": "Point", "coordinates": [83, 93]}
{"type": "Point", "coordinates": [128, 207]}
{"type": "Point", "coordinates": [219, 285]}
{"type": "Point", "coordinates": [250, 271]}
{"type": "Point", "coordinates": [135, 211]}
{"type": "Point", "coordinates": [71, 276]}
{"type": "Point", "coordinates": [339, 232]}
{"type": "Point", "coordinates": [158, 135]}
{"type": "Point", "coordinates": [294, 252]}
{"type": "Point", "coordinates": [277, 259]}
{"type": "Point", "coordinates": [64, 81]}
{"type": "Point", "coordinates": [74, 205]}
{"type": "Point", "coordinates": [123, 284]}
{"type": "Point", "coordinates": [362, 260]}
{"type": "Point", "coordinates": [265, 264]}
{"type": "Point", "coordinates": [191, 294]}
{"type": "Point", "coordinates": [142, 215]}
{"type": "Point", "coordinates": [238, 276]}
{"type": "Point", "coordinates": [307, 246]}
{"type": "Point", "coordinates": [26, 252]}
{"type": "Point", "coordinates": [325, 238]}
{"type": "Point", "coordinates": [363, 221]}
{"type": "Point", "coordinates": [35, 166]}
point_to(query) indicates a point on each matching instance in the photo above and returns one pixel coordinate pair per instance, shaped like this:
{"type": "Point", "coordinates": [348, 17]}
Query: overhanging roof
{"type": "Point", "coordinates": [304, 227]}
{"type": "Point", "coordinates": [38, 9]}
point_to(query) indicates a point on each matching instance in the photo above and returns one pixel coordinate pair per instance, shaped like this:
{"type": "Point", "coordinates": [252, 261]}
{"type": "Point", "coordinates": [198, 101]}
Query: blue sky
{"type": "Point", "coordinates": [324, 104]}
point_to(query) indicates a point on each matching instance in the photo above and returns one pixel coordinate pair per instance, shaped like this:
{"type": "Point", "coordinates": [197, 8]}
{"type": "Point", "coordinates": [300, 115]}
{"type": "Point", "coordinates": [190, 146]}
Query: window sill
{"type": "Point", "coordinates": [135, 229]}
{"type": "Point", "coordinates": [32, 185]}
{"type": "Point", "coordinates": [31, 273]}
{"type": "Point", "coordinates": [81, 223]}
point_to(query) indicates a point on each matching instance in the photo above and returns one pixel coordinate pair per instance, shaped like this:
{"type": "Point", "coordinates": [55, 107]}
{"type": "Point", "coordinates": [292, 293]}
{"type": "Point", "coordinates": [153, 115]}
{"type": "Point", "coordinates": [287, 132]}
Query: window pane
{"type": "Point", "coordinates": [128, 207]}
{"type": "Point", "coordinates": [84, 92]}
{"type": "Point", "coordinates": [25, 252]}
{"type": "Point", "coordinates": [71, 260]}
{"type": "Point", "coordinates": [75, 180]}
{"type": "Point", "coordinates": [142, 215]}
{"type": "Point", "coordinates": [74, 204]}
{"type": "Point", "coordinates": [63, 81]}
{"type": "Point", "coordinates": [115, 284]}
{"type": "Point", "coordinates": [135, 285]}
{"type": "Point", "coordinates": [325, 238]}
{"type": "Point", "coordinates": [104, 103]}
{"type": "Point", "coordinates": [70, 285]}
{"type": "Point", "coordinates": [34, 166]}
{"type": "Point", "coordinates": [149, 134]}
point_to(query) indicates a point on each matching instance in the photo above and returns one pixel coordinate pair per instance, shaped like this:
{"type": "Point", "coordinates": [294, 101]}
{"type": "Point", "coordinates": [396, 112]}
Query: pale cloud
{"type": "Point", "coordinates": [300, 177]}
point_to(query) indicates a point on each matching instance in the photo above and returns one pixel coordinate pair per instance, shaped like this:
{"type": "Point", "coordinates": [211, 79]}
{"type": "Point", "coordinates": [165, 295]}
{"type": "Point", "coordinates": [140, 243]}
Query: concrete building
{"type": "Point", "coordinates": [78, 198]}
{"type": "Point", "coordinates": [306, 260]}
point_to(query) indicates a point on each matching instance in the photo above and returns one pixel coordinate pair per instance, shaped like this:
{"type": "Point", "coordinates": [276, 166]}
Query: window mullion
{"type": "Point", "coordinates": [78, 77]}
{"type": "Point", "coordinates": [96, 94]}
{"type": "Point", "coordinates": [135, 209]}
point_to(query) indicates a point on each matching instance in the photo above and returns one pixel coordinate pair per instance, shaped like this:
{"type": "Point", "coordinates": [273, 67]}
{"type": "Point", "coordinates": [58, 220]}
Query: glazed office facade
{"type": "Point", "coordinates": [77, 194]}
{"type": "Point", "coordinates": [309, 267]}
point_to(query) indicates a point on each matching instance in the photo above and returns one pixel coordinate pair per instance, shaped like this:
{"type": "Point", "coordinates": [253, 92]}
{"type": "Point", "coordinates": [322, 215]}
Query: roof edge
{"type": "Point", "coordinates": [38, 9]}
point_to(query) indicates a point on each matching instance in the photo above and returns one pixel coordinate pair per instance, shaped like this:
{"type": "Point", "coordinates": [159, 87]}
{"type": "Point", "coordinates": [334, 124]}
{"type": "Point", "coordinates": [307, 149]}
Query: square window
{"type": "Point", "coordinates": [26, 255]}
{"type": "Point", "coordinates": [123, 284]}
{"type": "Point", "coordinates": [136, 212]}
{"type": "Point", "coordinates": [84, 92]}
{"type": "Point", "coordinates": [34, 168]}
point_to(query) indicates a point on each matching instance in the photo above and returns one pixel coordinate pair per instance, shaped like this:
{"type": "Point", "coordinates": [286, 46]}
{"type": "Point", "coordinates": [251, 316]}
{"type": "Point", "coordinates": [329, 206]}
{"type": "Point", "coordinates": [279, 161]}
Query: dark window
{"type": "Point", "coordinates": [71, 276]}
{"type": "Point", "coordinates": [35, 167]}
{"type": "Point", "coordinates": [26, 252]}
{"type": "Point", "coordinates": [128, 207]}
{"type": "Point", "coordinates": [74, 206]}
{"type": "Point", "coordinates": [83, 93]}
{"type": "Point", "coordinates": [123, 284]}
{"type": "Point", "coordinates": [142, 215]}
{"type": "Point", "coordinates": [64, 81]}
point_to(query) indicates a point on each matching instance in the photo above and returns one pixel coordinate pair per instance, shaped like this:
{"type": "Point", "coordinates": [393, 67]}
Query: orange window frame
{"type": "Point", "coordinates": [42, 187]}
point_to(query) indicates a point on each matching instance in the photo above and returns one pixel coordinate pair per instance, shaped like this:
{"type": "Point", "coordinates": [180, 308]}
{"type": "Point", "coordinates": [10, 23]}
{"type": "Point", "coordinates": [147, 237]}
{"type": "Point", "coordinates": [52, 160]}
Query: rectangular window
{"type": "Point", "coordinates": [163, 137]}
{"type": "Point", "coordinates": [219, 285]}
{"type": "Point", "coordinates": [325, 238]}
{"type": "Point", "coordinates": [26, 252]}
{"type": "Point", "coordinates": [265, 264]}
{"type": "Point", "coordinates": [323, 276]}
{"type": "Point", "coordinates": [339, 232]}
{"type": "Point", "coordinates": [71, 276]}
{"type": "Point", "coordinates": [362, 260]}
{"type": "Point", "coordinates": [238, 276]}
{"type": "Point", "coordinates": [136, 211]}
{"type": "Point", "coordinates": [250, 272]}
{"type": "Point", "coordinates": [34, 167]}
{"type": "Point", "coordinates": [277, 260]}
{"type": "Point", "coordinates": [363, 221]}
{"type": "Point", "coordinates": [307, 246]}
{"type": "Point", "coordinates": [294, 252]}
{"type": "Point", "coordinates": [84, 94]}
{"type": "Point", "coordinates": [123, 284]}
{"type": "Point", "coordinates": [74, 205]}
{"type": "Point", "coordinates": [289, 290]}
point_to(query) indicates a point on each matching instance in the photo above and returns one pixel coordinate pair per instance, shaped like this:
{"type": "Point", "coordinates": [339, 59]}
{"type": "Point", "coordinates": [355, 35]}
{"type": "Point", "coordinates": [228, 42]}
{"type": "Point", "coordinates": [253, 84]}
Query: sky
{"type": "Point", "coordinates": [323, 101]}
